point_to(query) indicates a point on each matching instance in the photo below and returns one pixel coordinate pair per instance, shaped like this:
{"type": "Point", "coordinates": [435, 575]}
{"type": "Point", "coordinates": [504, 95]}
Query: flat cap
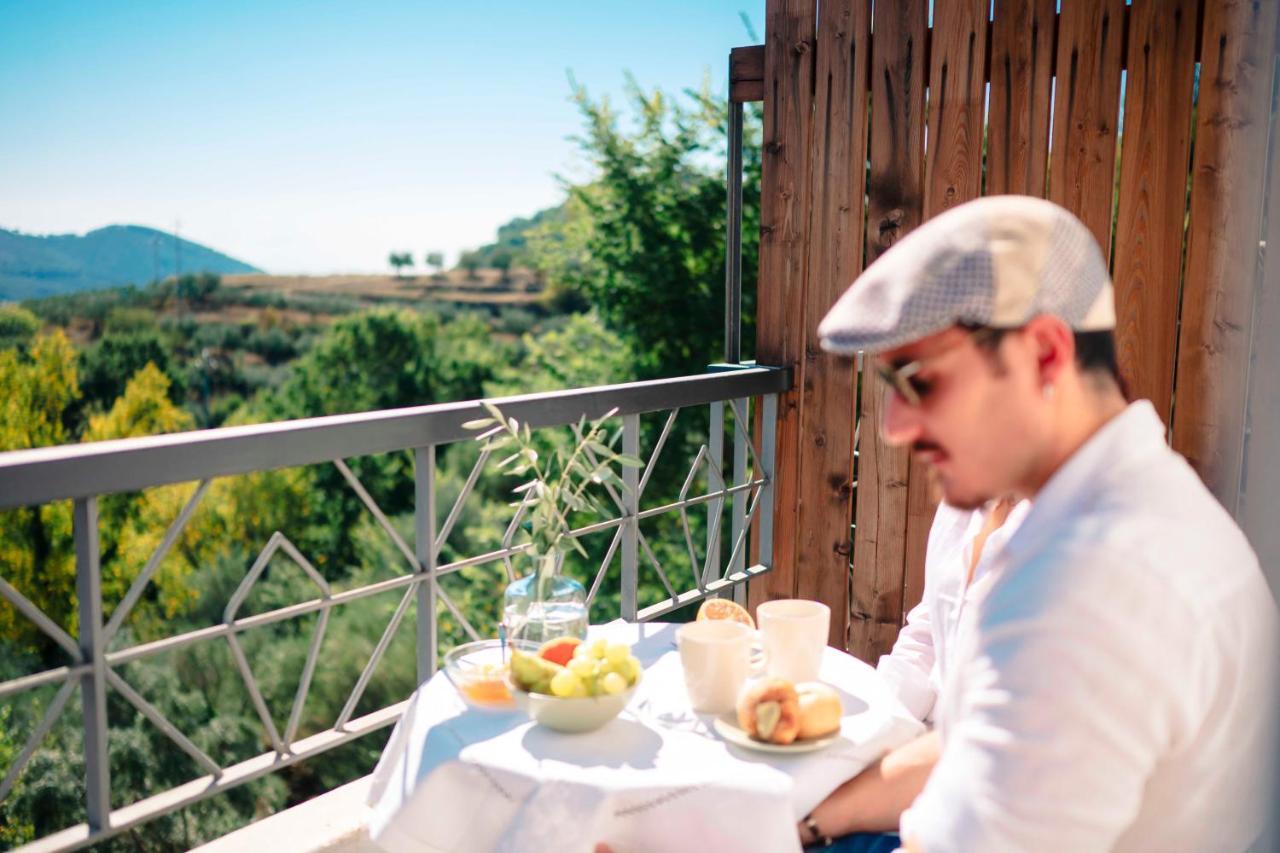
{"type": "Point", "coordinates": [995, 261]}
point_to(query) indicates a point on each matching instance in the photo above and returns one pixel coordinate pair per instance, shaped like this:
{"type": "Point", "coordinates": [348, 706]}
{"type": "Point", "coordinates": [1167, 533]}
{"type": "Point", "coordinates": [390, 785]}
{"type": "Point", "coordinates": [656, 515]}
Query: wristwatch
{"type": "Point", "coordinates": [812, 826]}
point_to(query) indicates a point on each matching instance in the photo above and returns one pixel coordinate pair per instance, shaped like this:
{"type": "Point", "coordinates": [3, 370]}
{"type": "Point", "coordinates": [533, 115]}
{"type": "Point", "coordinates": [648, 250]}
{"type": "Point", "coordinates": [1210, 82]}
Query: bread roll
{"type": "Point", "coordinates": [769, 711]}
{"type": "Point", "coordinates": [820, 709]}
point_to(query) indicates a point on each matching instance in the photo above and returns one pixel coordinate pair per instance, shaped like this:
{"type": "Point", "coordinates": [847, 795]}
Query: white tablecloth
{"type": "Point", "coordinates": [656, 778]}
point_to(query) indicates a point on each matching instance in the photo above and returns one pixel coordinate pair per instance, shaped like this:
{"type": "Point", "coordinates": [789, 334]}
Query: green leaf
{"type": "Point", "coordinates": [478, 423]}
{"type": "Point", "coordinates": [630, 461]}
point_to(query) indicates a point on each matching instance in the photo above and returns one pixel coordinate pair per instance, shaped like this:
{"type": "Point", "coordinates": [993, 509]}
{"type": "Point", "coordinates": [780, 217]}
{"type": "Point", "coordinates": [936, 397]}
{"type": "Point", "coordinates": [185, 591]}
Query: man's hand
{"type": "Point", "coordinates": [874, 800]}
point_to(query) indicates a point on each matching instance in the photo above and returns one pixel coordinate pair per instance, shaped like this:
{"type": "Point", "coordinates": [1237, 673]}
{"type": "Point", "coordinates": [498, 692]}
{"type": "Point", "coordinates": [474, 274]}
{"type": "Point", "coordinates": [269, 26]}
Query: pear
{"type": "Point", "coordinates": [532, 673]}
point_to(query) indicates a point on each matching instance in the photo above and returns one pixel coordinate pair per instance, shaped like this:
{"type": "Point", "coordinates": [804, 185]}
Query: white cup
{"type": "Point", "coordinates": [794, 633]}
{"type": "Point", "coordinates": [716, 658]}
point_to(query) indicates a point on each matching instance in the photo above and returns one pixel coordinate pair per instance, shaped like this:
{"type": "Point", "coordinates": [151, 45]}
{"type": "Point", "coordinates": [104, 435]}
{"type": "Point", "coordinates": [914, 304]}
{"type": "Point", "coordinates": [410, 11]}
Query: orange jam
{"type": "Point", "coordinates": [488, 690]}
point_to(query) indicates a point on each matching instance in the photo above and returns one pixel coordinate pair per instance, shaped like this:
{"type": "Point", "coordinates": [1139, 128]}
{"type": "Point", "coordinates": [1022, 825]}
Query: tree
{"type": "Point", "coordinates": [644, 240]}
{"type": "Point", "coordinates": [501, 260]}
{"type": "Point", "coordinates": [434, 260]}
{"type": "Point", "coordinates": [399, 260]}
{"type": "Point", "coordinates": [470, 261]}
{"type": "Point", "coordinates": [107, 366]}
{"type": "Point", "coordinates": [17, 326]}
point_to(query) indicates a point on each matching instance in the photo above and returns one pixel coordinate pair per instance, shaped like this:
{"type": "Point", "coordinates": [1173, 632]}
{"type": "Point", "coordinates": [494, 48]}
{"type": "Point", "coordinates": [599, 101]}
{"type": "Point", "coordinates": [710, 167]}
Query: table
{"type": "Point", "coordinates": [655, 778]}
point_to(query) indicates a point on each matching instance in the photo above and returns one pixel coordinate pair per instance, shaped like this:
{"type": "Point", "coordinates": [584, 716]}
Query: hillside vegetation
{"type": "Point", "coordinates": [33, 266]}
{"type": "Point", "coordinates": [624, 282]}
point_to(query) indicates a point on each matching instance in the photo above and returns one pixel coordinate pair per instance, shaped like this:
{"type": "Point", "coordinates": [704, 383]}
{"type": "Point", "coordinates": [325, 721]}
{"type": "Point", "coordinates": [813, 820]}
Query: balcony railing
{"type": "Point", "coordinates": [85, 473]}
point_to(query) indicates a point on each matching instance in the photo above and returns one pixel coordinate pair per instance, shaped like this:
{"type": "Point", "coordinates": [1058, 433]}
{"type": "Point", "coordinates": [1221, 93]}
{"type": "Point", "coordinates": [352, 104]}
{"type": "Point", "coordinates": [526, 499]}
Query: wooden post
{"type": "Point", "coordinates": [827, 417]}
{"type": "Point", "coordinates": [1152, 203]}
{"type": "Point", "coordinates": [895, 200]}
{"type": "Point", "coordinates": [784, 219]}
{"type": "Point", "coordinates": [1222, 238]}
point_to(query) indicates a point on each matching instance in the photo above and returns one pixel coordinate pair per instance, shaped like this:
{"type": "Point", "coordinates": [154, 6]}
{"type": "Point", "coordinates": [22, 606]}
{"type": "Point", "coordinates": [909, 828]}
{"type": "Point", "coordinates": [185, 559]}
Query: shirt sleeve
{"type": "Point", "coordinates": [908, 669]}
{"type": "Point", "coordinates": [1058, 715]}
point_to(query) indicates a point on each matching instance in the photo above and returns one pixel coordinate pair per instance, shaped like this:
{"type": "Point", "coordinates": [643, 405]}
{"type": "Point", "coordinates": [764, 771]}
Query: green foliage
{"type": "Point", "coordinates": [399, 260]}
{"type": "Point", "coordinates": [644, 241]}
{"type": "Point", "coordinates": [559, 483]}
{"type": "Point", "coordinates": [107, 365]}
{"type": "Point", "coordinates": [17, 326]}
{"type": "Point", "coordinates": [633, 266]}
{"type": "Point", "coordinates": [581, 354]}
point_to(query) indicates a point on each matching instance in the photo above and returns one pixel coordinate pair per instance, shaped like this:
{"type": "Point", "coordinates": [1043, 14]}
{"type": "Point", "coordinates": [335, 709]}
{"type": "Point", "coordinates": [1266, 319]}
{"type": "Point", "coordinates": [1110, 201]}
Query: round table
{"type": "Point", "coordinates": [656, 778]}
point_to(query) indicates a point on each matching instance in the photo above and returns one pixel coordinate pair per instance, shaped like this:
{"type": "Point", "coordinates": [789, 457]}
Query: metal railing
{"type": "Point", "coordinates": [84, 473]}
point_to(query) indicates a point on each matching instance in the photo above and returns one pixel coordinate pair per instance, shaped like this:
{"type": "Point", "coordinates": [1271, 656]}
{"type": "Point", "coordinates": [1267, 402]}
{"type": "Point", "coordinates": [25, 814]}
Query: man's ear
{"type": "Point", "coordinates": [1053, 344]}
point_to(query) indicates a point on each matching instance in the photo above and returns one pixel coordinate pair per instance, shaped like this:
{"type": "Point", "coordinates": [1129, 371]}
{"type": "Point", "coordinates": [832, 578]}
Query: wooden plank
{"type": "Point", "coordinates": [1022, 40]}
{"type": "Point", "coordinates": [746, 74]}
{"type": "Point", "coordinates": [1152, 204]}
{"type": "Point", "coordinates": [953, 175]}
{"type": "Point", "coordinates": [827, 418]}
{"type": "Point", "coordinates": [784, 218]}
{"type": "Point", "coordinates": [1260, 493]}
{"type": "Point", "coordinates": [1085, 112]}
{"type": "Point", "coordinates": [894, 199]}
{"type": "Point", "coordinates": [1222, 240]}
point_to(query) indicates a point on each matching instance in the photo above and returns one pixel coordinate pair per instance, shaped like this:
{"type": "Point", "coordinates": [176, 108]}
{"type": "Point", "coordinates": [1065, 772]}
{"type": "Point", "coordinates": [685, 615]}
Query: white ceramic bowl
{"type": "Point", "coordinates": [572, 715]}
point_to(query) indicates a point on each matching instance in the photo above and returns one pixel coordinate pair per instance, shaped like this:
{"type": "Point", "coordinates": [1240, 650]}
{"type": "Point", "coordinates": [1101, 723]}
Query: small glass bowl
{"type": "Point", "coordinates": [479, 673]}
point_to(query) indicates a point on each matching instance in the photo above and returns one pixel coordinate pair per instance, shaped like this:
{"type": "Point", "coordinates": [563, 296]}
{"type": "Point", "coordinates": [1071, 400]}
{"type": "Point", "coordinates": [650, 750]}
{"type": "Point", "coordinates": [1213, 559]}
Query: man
{"type": "Point", "coordinates": [961, 550]}
{"type": "Point", "coordinates": [1111, 688]}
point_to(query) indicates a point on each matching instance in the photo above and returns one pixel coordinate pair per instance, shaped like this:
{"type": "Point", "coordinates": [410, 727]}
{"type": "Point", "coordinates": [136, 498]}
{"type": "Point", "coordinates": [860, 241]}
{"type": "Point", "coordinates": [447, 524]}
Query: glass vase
{"type": "Point", "coordinates": [544, 605]}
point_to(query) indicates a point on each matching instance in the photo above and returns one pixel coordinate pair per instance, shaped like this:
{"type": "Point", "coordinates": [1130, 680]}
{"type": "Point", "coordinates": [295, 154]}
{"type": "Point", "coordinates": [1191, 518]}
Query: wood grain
{"type": "Point", "coordinates": [953, 175]}
{"type": "Point", "coordinates": [784, 219]}
{"type": "Point", "coordinates": [1222, 240]}
{"type": "Point", "coordinates": [1021, 53]}
{"type": "Point", "coordinates": [1260, 493]}
{"type": "Point", "coordinates": [746, 74]}
{"type": "Point", "coordinates": [1152, 202]}
{"type": "Point", "coordinates": [1085, 112]}
{"type": "Point", "coordinates": [894, 207]}
{"type": "Point", "coordinates": [838, 154]}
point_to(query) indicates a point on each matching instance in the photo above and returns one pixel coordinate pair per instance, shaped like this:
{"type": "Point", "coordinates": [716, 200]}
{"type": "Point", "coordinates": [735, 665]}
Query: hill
{"type": "Point", "coordinates": [34, 266]}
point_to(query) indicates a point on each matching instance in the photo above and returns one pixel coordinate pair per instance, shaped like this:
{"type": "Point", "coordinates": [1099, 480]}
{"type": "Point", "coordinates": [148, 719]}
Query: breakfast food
{"type": "Point", "coordinates": [560, 650]}
{"type": "Point", "coordinates": [820, 710]}
{"type": "Point", "coordinates": [769, 710]}
{"type": "Point", "coordinates": [599, 668]}
{"type": "Point", "coordinates": [486, 686]}
{"type": "Point", "coordinates": [776, 711]}
{"type": "Point", "coordinates": [723, 608]}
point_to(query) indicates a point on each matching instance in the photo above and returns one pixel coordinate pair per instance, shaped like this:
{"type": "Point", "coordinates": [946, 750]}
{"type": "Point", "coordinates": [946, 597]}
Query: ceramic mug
{"type": "Point", "coordinates": [794, 634]}
{"type": "Point", "coordinates": [717, 657]}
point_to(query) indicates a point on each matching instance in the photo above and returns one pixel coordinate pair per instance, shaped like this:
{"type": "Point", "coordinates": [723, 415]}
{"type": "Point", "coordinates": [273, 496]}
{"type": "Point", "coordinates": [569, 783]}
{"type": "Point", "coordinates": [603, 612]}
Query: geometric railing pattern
{"type": "Point", "coordinates": [83, 473]}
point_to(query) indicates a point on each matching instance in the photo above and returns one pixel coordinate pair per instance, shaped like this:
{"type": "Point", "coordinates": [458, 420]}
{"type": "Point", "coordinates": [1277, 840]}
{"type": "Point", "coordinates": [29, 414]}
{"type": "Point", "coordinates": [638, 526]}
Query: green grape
{"type": "Point", "coordinates": [599, 647]}
{"type": "Point", "coordinates": [613, 683]}
{"type": "Point", "coordinates": [582, 650]}
{"type": "Point", "coordinates": [565, 684]}
{"type": "Point", "coordinates": [616, 653]}
{"type": "Point", "coordinates": [583, 667]}
{"type": "Point", "coordinates": [631, 669]}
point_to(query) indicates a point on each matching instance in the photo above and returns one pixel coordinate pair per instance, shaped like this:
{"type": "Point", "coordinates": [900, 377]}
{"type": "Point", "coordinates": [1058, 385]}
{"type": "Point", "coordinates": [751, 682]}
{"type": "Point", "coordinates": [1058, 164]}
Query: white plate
{"type": "Point", "coordinates": [727, 727]}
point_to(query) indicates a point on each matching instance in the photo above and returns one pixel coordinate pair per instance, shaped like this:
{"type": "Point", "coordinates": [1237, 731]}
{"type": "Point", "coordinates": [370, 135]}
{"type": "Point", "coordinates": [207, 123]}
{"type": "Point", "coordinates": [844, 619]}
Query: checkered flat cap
{"type": "Point", "coordinates": [996, 261]}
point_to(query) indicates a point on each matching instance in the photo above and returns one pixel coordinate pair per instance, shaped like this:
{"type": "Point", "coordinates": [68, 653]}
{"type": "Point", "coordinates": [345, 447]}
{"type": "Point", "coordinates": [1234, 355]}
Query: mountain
{"type": "Point", "coordinates": [32, 266]}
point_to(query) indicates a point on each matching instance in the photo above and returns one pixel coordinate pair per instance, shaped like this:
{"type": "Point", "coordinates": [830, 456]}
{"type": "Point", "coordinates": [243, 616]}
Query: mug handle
{"type": "Point", "coordinates": [757, 658]}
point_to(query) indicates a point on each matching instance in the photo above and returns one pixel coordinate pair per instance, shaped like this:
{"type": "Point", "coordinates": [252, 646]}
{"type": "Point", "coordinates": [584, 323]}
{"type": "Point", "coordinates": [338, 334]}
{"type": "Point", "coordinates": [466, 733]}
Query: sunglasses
{"type": "Point", "coordinates": [902, 380]}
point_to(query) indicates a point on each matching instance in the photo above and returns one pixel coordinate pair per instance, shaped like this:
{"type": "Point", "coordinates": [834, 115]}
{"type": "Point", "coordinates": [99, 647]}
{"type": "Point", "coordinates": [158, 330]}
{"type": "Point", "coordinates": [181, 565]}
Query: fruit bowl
{"type": "Point", "coordinates": [572, 715]}
{"type": "Point", "coordinates": [479, 673]}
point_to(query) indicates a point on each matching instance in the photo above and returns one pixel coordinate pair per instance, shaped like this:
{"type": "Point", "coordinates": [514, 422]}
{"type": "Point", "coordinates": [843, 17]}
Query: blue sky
{"type": "Point", "coordinates": [317, 137]}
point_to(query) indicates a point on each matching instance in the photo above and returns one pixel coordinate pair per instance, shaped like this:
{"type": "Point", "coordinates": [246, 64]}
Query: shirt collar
{"type": "Point", "coordinates": [1129, 438]}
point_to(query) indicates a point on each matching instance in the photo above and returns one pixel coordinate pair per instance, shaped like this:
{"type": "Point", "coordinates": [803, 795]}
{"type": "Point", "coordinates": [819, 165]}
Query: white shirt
{"type": "Point", "coordinates": [1113, 690]}
{"type": "Point", "coordinates": [921, 656]}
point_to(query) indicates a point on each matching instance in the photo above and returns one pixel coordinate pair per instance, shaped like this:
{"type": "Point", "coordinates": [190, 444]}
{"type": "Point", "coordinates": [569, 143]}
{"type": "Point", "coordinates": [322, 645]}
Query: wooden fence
{"type": "Point", "coordinates": [1149, 121]}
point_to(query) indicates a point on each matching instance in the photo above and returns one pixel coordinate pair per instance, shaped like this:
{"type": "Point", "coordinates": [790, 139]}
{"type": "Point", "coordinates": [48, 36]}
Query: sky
{"type": "Point", "coordinates": [317, 137]}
